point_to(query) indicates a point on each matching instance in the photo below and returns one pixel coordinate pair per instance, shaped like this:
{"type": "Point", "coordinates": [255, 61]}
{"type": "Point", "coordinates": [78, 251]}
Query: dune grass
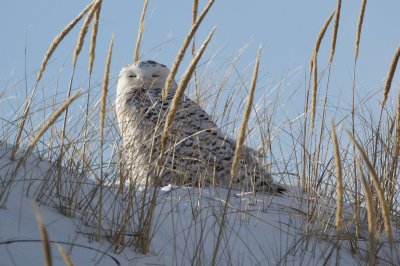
{"type": "Point", "coordinates": [330, 164]}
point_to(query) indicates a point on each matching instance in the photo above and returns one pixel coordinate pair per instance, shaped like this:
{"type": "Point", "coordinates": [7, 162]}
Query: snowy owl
{"type": "Point", "coordinates": [198, 152]}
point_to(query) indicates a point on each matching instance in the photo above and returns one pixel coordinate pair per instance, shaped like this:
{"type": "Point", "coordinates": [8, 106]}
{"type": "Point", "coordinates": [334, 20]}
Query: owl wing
{"type": "Point", "coordinates": [200, 132]}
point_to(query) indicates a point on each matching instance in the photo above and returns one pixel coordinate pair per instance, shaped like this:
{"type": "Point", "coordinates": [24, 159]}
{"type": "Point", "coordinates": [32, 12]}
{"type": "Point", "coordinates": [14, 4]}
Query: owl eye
{"type": "Point", "coordinates": [155, 75]}
{"type": "Point", "coordinates": [132, 75]}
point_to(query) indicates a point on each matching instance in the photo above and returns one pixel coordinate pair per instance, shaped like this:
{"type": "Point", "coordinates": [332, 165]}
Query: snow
{"type": "Point", "coordinates": [260, 230]}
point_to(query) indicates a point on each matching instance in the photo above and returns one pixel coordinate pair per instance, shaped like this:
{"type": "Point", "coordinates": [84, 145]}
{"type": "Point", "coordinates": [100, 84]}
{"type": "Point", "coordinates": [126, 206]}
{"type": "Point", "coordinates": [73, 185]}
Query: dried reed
{"type": "Point", "coordinates": [84, 29]}
{"type": "Point", "coordinates": [183, 48]}
{"type": "Point", "coordinates": [397, 142]}
{"type": "Point", "coordinates": [314, 92]}
{"type": "Point", "coordinates": [45, 60]}
{"type": "Point", "coordinates": [21, 126]}
{"type": "Point", "coordinates": [43, 235]}
{"type": "Point", "coordinates": [370, 215]}
{"type": "Point", "coordinates": [339, 176]}
{"type": "Point", "coordinates": [246, 116]}
{"type": "Point", "coordinates": [378, 188]}
{"type": "Point", "coordinates": [390, 75]}
{"type": "Point", "coordinates": [48, 123]}
{"type": "Point", "coordinates": [105, 89]}
{"type": "Point", "coordinates": [320, 37]}
{"type": "Point", "coordinates": [313, 68]}
{"type": "Point", "coordinates": [85, 161]}
{"type": "Point", "coordinates": [51, 120]}
{"type": "Point", "coordinates": [359, 27]}
{"type": "Point", "coordinates": [67, 259]}
{"type": "Point", "coordinates": [182, 87]}
{"type": "Point", "coordinates": [140, 32]}
{"type": "Point", "coordinates": [335, 30]}
{"type": "Point", "coordinates": [398, 121]}
{"type": "Point", "coordinates": [102, 118]}
{"type": "Point", "coordinates": [195, 9]}
{"type": "Point", "coordinates": [59, 38]}
{"type": "Point", "coordinates": [238, 151]}
{"type": "Point", "coordinates": [93, 38]}
{"type": "Point", "coordinates": [396, 153]}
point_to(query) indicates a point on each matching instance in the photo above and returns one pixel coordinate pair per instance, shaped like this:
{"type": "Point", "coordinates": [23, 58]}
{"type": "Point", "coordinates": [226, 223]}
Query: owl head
{"type": "Point", "coordinates": [142, 74]}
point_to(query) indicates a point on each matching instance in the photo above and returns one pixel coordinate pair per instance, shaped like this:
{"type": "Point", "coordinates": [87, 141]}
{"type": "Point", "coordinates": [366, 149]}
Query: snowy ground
{"type": "Point", "coordinates": [260, 230]}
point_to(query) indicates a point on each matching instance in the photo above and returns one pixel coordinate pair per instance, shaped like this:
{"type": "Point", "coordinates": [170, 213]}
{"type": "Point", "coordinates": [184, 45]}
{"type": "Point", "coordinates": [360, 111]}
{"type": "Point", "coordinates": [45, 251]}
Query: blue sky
{"type": "Point", "coordinates": [286, 30]}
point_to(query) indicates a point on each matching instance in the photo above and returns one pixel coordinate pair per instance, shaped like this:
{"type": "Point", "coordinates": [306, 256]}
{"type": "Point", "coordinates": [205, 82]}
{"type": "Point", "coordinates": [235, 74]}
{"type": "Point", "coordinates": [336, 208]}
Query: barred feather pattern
{"type": "Point", "coordinates": [197, 152]}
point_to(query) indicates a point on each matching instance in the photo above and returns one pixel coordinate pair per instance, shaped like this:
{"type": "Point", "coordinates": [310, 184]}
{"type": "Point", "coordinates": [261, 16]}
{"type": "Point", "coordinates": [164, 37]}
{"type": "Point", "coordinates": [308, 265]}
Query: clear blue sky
{"type": "Point", "coordinates": [286, 29]}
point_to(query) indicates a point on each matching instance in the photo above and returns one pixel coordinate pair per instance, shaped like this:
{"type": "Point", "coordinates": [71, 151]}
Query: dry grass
{"type": "Point", "coordinates": [314, 92]}
{"type": "Point", "coordinates": [43, 235]}
{"type": "Point", "coordinates": [195, 9]}
{"type": "Point", "coordinates": [51, 120]}
{"type": "Point", "coordinates": [359, 28]}
{"type": "Point", "coordinates": [396, 154]}
{"type": "Point", "coordinates": [59, 38]}
{"type": "Point", "coordinates": [127, 217]}
{"type": "Point", "coordinates": [246, 116]}
{"type": "Point", "coordinates": [82, 34]}
{"type": "Point", "coordinates": [237, 156]}
{"type": "Point", "coordinates": [390, 74]}
{"type": "Point", "coordinates": [381, 196]}
{"type": "Point", "coordinates": [105, 89]}
{"type": "Point", "coordinates": [370, 215]}
{"type": "Point", "coordinates": [140, 32]}
{"type": "Point", "coordinates": [181, 89]}
{"type": "Point", "coordinates": [44, 128]}
{"type": "Point", "coordinates": [102, 119]}
{"type": "Point", "coordinates": [182, 50]}
{"type": "Point", "coordinates": [93, 38]}
{"type": "Point", "coordinates": [339, 181]}
{"type": "Point", "coordinates": [320, 36]}
{"type": "Point", "coordinates": [67, 259]}
{"type": "Point", "coordinates": [335, 30]}
{"type": "Point", "coordinates": [21, 126]}
{"type": "Point", "coordinates": [45, 60]}
{"type": "Point", "coordinates": [314, 69]}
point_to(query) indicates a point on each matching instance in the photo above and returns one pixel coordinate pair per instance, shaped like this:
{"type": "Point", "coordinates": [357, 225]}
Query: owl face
{"type": "Point", "coordinates": [142, 74]}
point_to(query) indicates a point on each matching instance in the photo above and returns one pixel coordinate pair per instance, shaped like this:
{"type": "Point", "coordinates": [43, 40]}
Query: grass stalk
{"type": "Point", "coordinates": [43, 235]}
{"type": "Point", "coordinates": [67, 259]}
{"type": "Point", "coordinates": [237, 156]}
{"type": "Point", "coordinates": [313, 67]}
{"type": "Point", "coordinates": [335, 30]}
{"type": "Point", "coordinates": [59, 38]}
{"type": "Point", "coordinates": [390, 74]}
{"type": "Point", "coordinates": [182, 50]}
{"type": "Point", "coordinates": [21, 126]}
{"type": "Point", "coordinates": [381, 197]}
{"type": "Point", "coordinates": [339, 177]}
{"type": "Point", "coordinates": [51, 120]}
{"type": "Point", "coordinates": [396, 154]}
{"type": "Point", "coordinates": [195, 9]}
{"type": "Point", "coordinates": [246, 116]}
{"type": "Point", "coordinates": [93, 38]}
{"type": "Point", "coordinates": [140, 32]}
{"type": "Point", "coordinates": [320, 36]}
{"type": "Point", "coordinates": [45, 60]}
{"type": "Point", "coordinates": [84, 30]}
{"type": "Point", "coordinates": [102, 119]}
{"type": "Point", "coordinates": [370, 216]}
{"type": "Point", "coordinates": [314, 92]}
{"type": "Point", "coordinates": [105, 89]}
{"type": "Point", "coordinates": [359, 28]}
{"type": "Point", "coordinates": [182, 87]}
